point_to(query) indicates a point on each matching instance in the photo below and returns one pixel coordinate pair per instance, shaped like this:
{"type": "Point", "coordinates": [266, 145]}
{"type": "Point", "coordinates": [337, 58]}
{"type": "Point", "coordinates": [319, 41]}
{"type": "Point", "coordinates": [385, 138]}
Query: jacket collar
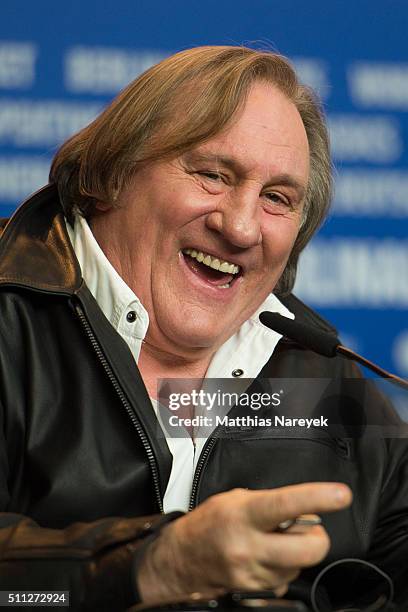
{"type": "Point", "coordinates": [306, 315]}
{"type": "Point", "coordinates": [35, 250]}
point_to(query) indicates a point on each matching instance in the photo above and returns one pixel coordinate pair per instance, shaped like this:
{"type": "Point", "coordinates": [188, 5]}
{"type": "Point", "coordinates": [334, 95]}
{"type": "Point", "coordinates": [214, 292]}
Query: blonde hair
{"type": "Point", "coordinates": [185, 100]}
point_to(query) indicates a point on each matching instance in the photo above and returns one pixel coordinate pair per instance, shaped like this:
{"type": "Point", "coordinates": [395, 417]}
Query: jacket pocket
{"type": "Point", "coordinates": [341, 446]}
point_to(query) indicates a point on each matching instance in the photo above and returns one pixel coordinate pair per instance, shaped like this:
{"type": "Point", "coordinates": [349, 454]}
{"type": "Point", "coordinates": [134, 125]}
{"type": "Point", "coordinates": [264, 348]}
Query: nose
{"type": "Point", "coordinates": [237, 218]}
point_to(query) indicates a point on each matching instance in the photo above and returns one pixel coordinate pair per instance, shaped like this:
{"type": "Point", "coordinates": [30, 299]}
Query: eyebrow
{"type": "Point", "coordinates": [232, 163]}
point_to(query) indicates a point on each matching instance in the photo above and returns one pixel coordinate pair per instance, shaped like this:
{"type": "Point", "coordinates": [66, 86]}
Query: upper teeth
{"type": "Point", "coordinates": [212, 262]}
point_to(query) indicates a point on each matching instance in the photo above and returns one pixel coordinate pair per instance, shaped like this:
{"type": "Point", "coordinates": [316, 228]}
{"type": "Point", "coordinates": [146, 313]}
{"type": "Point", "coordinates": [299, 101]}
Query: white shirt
{"type": "Point", "coordinates": [248, 349]}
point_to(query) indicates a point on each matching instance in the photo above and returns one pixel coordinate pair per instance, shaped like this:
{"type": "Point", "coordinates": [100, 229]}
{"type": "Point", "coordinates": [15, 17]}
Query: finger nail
{"type": "Point", "coordinates": [341, 494]}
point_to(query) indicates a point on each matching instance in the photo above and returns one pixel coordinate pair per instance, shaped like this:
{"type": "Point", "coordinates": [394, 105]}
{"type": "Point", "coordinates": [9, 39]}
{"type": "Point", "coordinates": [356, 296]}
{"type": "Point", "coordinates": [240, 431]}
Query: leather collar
{"type": "Point", "coordinates": [35, 250]}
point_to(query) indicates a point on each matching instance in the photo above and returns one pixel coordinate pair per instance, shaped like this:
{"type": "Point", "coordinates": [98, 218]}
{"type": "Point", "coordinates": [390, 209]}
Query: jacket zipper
{"type": "Point", "coordinates": [200, 466]}
{"type": "Point", "coordinates": [150, 455]}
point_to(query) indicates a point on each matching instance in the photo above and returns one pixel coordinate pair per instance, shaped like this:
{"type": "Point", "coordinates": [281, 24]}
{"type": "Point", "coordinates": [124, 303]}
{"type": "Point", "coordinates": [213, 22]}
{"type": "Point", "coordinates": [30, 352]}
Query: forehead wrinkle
{"type": "Point", "coordinates": [226, 160]}
{"type": "Point", "coordinates": [267, 128]}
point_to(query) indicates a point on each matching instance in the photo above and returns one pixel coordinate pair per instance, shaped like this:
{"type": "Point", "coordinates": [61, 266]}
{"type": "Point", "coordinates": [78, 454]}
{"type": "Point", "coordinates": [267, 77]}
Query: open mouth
{"type": "Point", "coordinates": [219, 273]}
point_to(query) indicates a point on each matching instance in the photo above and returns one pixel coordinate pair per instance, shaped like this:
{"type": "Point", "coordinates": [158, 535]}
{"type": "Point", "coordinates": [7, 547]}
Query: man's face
{"type": "Point", "coordinates": [236, 199]}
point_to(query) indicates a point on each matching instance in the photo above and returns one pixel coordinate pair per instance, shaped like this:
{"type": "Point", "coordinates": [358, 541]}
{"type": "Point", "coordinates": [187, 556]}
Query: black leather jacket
{"type": "Point", "coordinates": [79, 439]}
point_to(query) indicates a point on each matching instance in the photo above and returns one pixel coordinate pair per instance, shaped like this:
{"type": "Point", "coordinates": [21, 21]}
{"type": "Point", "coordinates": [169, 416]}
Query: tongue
{"type": "Point", "coordinates": [215, 277]}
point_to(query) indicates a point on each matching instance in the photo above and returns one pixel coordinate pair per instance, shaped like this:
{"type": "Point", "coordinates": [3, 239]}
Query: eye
{"type": "Point", "coordinates": [277, 199]}
{"type": "Point", "coordinates": [213, 176]}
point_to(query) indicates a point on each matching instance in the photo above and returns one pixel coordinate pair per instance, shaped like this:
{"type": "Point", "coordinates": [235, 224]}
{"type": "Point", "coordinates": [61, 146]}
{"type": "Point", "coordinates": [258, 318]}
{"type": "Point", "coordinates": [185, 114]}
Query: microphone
{"type": "Point", "coordinates": [310, 337]}
{"type": "Point", "coordinates": [321, 342]}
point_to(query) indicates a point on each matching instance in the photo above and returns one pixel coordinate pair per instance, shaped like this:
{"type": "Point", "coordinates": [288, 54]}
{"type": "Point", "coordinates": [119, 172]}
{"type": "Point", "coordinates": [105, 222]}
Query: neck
{"type": "Point", "coordinates": [155, 364]}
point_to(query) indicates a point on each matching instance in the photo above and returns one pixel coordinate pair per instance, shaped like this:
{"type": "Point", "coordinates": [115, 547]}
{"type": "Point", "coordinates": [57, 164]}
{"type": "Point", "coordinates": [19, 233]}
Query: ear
{"type": "Point", "coordinates": [103, 206]}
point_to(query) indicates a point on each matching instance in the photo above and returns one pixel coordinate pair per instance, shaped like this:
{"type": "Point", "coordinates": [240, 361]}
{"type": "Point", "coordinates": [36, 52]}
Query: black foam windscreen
{"type": "Point", "coordinates": [310, 337]}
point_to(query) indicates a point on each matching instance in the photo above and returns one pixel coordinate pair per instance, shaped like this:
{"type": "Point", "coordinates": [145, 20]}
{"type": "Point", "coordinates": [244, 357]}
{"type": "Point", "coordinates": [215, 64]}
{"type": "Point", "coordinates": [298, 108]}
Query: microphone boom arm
{"type": "Point", "coordinates": [322, 343]}
{"type": "Point", "coordinates": [346, 352]}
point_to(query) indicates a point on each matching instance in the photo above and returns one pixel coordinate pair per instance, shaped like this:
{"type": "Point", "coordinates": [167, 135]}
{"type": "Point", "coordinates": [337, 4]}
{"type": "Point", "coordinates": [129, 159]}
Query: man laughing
{"type": "Point", "coordinates": [169, 223]}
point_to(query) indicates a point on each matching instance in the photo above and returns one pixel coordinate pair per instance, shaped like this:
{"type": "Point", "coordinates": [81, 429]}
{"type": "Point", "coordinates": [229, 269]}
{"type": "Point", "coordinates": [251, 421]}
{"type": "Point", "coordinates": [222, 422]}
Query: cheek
{"type": "Point", "coordinates": [182, 202]}
{"type": "Point", "coordinates": [279, 241]}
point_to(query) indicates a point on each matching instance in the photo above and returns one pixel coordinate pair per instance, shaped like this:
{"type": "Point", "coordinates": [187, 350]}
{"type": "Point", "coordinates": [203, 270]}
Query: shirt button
{"type": "Point", "coordinates": [131, 316]}
{"type": "Point", "coordinates": [237, 373]}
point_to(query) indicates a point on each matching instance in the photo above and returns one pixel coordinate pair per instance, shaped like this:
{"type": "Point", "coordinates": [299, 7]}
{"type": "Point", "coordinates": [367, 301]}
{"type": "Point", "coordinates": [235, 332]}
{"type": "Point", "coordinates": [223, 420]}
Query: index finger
{"type": "Point", "coordinates": [266, 509]}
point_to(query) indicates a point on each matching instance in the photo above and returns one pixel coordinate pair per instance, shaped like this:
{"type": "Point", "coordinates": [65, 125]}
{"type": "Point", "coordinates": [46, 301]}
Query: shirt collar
{"type": "Point", "coordinates": [114, 297]}
{"type": "Point", "coordinates": [250, 347]}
